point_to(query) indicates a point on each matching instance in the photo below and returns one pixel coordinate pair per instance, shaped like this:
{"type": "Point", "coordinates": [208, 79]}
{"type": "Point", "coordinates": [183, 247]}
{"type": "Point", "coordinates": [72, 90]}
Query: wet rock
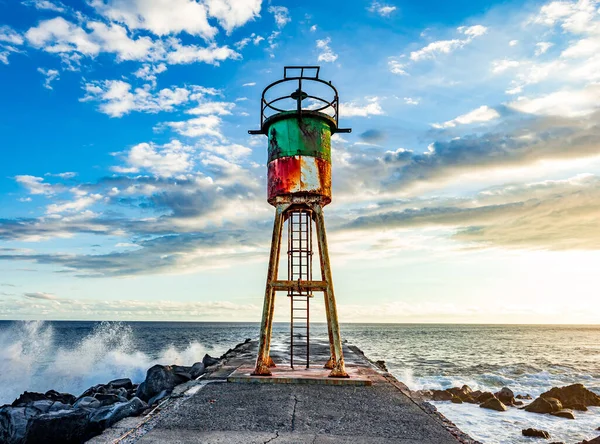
{"type": "Point", "coordinates": [182, 374]}
{"type": "Point", "coordinates": [64, 426]}
{"type": "Point", "coordinates": [485, 396]}
{"type": "Point", "coordinates": [13, 423]}
{"type": "Point", "coordinates": [494, 404]}
{"type": "Point", "coordinates": [535, 433]}
{"type": "Point", "coordinates": [158, 397]}
{"type": "Point", "coordinates": [106, 398]}
{"type": "Point", "coordinates": [544, 405]}
{"type": "Point", "coordinates": [381, 365]}
{"type": "Point", "coordinates": [87, 402]}
{"type": "Point", "coordinates": [464, 393]}
{"type": "Point", "coordinates": [456, 400]}
{"type": "Point", "coordinates": [506, 395]}
{"type": "Point", "coordinates": [158, 378]}
{"type": "Point", "coordinates": [518, 403]}
{"type": "Point", "coordinates": [564, 413]}
{"type": "Point", "coordinates": [592, 441]}
{"type": "Point", "coordinates": [27, 398]}
{"type": "Point", "coordinates": [197, 370]}
{"type": "Point", "coordinates": [441, 395]}
{"type": "Point", "coordinates": [579, 407]}
{"type": "Point", "coordinates": [209, 360]}
{"type": "Point", "coordinates": [574, 394]}
{"type": "Point", "coordinates": [65, 398]}
{"type": "Point", "coordinates": [121, 383]}
{"type": "Point", "coordinates": [107, 416]}
{"type": "Point", "coordinates": [528, 396]}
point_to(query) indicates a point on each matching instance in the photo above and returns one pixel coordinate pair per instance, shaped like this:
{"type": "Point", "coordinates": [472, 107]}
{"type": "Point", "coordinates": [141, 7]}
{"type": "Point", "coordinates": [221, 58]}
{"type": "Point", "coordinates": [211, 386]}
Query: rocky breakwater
{"type": "Point", "coordinates": [558, 401]}
{"type": "Point", "coordinates": [54, 417]}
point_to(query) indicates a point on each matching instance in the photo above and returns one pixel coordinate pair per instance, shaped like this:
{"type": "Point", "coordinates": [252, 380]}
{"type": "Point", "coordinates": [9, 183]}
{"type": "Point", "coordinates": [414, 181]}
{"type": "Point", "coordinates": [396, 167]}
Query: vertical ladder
{"type": "Point", "coordinates": [300, 269]}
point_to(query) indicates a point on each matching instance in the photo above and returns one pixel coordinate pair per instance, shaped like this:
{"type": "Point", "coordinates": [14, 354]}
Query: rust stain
{"type": "Point", "coordinates": [299, 175]}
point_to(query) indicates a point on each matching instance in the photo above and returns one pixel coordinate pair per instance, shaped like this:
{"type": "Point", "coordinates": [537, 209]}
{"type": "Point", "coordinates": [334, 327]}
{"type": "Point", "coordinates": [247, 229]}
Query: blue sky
{"type": "Point", "coordinates": [467, 191]}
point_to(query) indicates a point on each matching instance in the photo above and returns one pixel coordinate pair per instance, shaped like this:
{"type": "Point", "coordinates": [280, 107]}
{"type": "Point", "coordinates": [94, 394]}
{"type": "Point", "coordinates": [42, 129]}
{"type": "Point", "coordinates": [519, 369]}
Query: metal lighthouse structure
{"type": "Point", "coordinates": [299, 124]}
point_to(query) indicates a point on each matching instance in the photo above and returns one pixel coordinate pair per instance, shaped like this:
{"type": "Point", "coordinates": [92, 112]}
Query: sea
{"type": "Point", "coordinates": [71, 356]}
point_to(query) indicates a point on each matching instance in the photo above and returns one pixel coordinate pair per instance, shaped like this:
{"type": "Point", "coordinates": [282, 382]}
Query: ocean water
{"type": "Point", "coordinates": [72, 356]}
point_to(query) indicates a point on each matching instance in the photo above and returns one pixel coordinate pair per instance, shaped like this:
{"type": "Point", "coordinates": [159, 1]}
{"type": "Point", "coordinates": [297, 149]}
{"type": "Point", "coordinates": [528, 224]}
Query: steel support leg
{"type": "Point", "coordinates": [337, 357]}
{"type": "Point", "coordinates": [264, 361]}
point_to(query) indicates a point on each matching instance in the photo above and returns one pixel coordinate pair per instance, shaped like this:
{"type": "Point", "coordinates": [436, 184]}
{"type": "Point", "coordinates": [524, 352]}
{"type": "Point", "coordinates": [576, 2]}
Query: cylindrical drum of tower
{"type": "Point", "coordinates": [299, 160]}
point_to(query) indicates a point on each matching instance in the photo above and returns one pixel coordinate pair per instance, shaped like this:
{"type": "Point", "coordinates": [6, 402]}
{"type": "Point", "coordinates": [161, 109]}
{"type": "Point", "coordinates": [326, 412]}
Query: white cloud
{"type": "Point", "coordinates": [381, 9]}
{"type": "Point", "coordinates": [481, 114]}
{"type": "Point", "coordinates": [198, 127]}
{"type": "Point", "coordinates": [397, 68]}
{"type": "Point", "coordinates": [80, 203]}
{"type": "Point", "coordinates": [513, 43]}
{"type": "Point", "coordinates": [219, 108]}
{"type": "Point", "coordinates": [249, 84]}
{"type": "Point", "coordinates": [9, 35]}
{"type": "Point", "coordinates": [326, 54]}
{"type": "Point", "coordinates": [168, 160]}
{"type": "Point", "coordinates": [447, 46]}
{"type": "Point", "coordinates": [232, 152]}
{"type": "Point", "coordinates": [148, 72]}
{"type": "Point", "coordinates": [116, 98]}
{"type": "Point", "coordinates": [50, 74]}
{"type": "Point", "coordinates": [40, 295]}
{"type": "Point", "coordinates": [232, 14]}
{"type": "Point", "coordinates": [35, 185]}
{"type": "Point", "coordinates": [281, 15]}
{"type": "Point", "coordinates": [352, 109]}
{"type": "Point", "coordinates": [542, 47]}
{"type": "Point", "coordinates": [313, 28]}
{"type": "Point", "coordinates": [161, 17]}
{"type": "Point", "coordinates": [567, 102]}
{"type": "Point", "coordinates": [582, 48]}
{"type": "Point", "coordinates": [411, 101]}
{"type": "Point", "coordinates": [211, 54]}
{"type": "Point", "coordinates": [499, 66]}
{"type": "Point", "coordinates": [46, 4]}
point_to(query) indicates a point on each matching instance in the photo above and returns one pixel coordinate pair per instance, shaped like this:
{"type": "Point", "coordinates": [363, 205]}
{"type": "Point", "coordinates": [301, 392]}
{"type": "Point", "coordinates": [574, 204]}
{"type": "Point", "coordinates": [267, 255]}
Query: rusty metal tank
{"type": "Point", "coordinates": [299, 149]}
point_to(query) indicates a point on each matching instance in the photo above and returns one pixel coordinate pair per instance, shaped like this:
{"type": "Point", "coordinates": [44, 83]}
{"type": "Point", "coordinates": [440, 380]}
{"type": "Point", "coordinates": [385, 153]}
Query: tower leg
{"type": "Point", "coordinates": [336, 362]}
{"type": "Point", "coordinates": [264, 361]}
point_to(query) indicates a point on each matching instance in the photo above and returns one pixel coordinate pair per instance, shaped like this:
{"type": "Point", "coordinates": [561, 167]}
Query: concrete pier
{"type": "Point", "coordinates": [228, 405]}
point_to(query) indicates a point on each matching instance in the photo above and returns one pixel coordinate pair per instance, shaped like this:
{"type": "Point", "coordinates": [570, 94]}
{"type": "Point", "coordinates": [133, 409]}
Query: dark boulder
{"type": "Point", "coordinates": [506, 395]}
{"type": "Point", "coordinates": [456, 400]}
{"type": "Point", "coordinates": [121, 383]}
{"type": "Point", "coordinates": [158, 397]}
{"type": "Point", "coordinates": [485, 396]}
{"type": "Point", "coordinates": [535, 433]}
{"type": "Point", "coordinates": [564, 413]}
{"type": "Point", "coordinates": [13, 423]}
{"type": "Point", "coordinates": [64, 426]}
{"type": "Point", "coordinates": [441, 395]}
{"type": "Point", "coordinates": [107, 416]}
{"type": "Point", "coordinates": [544, 405]}
{"type": "Point", "coordinates": [27, 398]}
{"type": "Point", "coordinates": [106, 398]}
{"type": "Point", "coordinates": [197, 369]}
{"type": "Point", "coordinates": [209, 360]}
{"type": "Point", "coordinates": [572, 395]}
{"type": "Point", "coordinates": [494, 404]}
{"type": "Point", "coordinates": [182, 374]}
{"type": "Point", "coordinates": [65, 398]}
{"type": "Point", "coordinates": [158, 378]}
{"type": "Point", "coordinates": [591, 441]}
{"type": "Point", "coordinates": [87, 402]}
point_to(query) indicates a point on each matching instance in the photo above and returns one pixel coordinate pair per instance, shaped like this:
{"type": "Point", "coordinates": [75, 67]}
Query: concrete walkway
{"type": "Point", "coordinates": [247, 412]}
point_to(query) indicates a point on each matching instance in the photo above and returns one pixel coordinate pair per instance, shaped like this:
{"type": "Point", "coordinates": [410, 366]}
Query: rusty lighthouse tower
{"type": "Point", "coordinates": [299, 113]}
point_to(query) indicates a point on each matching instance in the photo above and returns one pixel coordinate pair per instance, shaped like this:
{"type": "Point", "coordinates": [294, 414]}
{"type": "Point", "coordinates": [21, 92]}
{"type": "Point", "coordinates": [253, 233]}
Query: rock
{"type": "Point", "coordinates": [158, 378]}
{"type": "Point", "coordinates": [528, 396]}
{"type": "Point", "coordinates": [485, 396]}
{"type": "Point", "coordinates": [182, 374]}
{"type": "Point", "coordinates": [574, 394]}
{"type": "Point", "coordinates": [536, 433]}
{"type": "Point", "coordinates": [87, 402]}
{"type": "Point", "coordinates": [106, 398]}
{"type": "Point", "coordinates": [121, 383]}
{"type": "Point", "coordinates": [465, 394]}
{"type": "Point", "coordinates": [122, 393]}
{"type": "Point", "coordinates": [107, 416]}
{"type": "Point", "coordinates": [456, 400]}
{"type": "Point", "coordinates": [494, 404]}
{"type": "Point", "coordinates": [506, 395]}
{"type": "Point", "coordinates": [564, 413]}
{"type": "Point", "coordinates": [64, 426]}
{"type": "Point", "coordinates": [65, 398]}
{"type": "Point", "coordinates": [208, 360]}
{"type": "Point", "coordinates": [381, 365]}
{"type": "Point", "coordinates": [441, 395]}
{"type": "Point", "coordinates": [197, 369]}
{"type": "Point", "coordinates": [13, 423]}
{"type": "Point", "coordinates": [579, 407]}
{"type": "Point", "coordinates": [592, 441]}
{"type": "Point", "coordinates": [518, 403]}
{"type": "Point", "coordinates": [158, 397]}
{"type": "Point", "coordinates": [27, 398]}
{"type": "Point", "coordinates": [544, 405]}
